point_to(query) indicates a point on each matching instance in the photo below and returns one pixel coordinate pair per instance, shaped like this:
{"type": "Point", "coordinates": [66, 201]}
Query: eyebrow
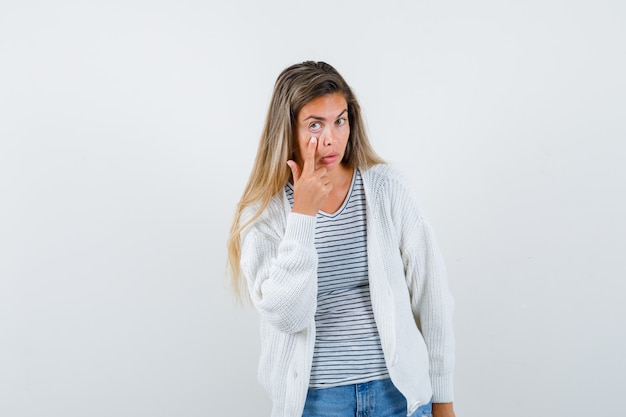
{"type": "Point", "coordinates": [321, 118]}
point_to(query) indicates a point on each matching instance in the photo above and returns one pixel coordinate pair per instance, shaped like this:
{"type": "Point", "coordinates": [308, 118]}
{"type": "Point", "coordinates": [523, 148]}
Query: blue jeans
{"type": "Point", "coordinates": [371, 399]}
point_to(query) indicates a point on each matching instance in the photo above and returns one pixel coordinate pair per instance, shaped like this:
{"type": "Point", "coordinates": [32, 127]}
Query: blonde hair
{"type": "Point", "coordinates": [295, 87]}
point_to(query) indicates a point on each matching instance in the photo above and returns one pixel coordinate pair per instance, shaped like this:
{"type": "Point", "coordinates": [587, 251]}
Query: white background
{"type": "Point", "coordinates": [127, 132]}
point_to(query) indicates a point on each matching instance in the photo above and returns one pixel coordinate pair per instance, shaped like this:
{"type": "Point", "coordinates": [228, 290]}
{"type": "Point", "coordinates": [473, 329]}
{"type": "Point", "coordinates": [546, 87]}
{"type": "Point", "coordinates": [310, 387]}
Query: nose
{"type": "Point", "coordinates": [327, 137]}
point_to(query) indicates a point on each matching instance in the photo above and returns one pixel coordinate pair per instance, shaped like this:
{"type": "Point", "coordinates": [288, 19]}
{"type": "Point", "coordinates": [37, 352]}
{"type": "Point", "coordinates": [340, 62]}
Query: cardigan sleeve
{"type": "Point", "coordinates": [431, 301]}
{"type": "Point", "coordinates": [280, 267]}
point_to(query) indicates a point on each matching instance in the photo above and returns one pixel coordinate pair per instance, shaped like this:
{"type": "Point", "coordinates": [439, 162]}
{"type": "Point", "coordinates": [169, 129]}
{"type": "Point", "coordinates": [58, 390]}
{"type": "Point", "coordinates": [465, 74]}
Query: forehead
{"type": "Point", "coordinates": [324, 107]}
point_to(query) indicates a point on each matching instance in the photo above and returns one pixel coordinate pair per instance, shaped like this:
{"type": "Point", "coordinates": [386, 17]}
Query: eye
{"type": "Point", "coordinates": [340, 122]}
{"type": "Point", "coordinates": [315, 126]}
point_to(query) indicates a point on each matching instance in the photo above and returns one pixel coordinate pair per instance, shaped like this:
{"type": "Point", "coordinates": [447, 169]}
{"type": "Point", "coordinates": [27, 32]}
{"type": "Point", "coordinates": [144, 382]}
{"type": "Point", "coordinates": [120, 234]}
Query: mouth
{"type": "Point", "coordinates": [328, 159]}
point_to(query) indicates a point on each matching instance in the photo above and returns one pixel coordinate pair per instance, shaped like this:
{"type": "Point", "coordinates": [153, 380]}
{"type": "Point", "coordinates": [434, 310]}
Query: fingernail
{"type": "Point", "coordinates": [313, 139]}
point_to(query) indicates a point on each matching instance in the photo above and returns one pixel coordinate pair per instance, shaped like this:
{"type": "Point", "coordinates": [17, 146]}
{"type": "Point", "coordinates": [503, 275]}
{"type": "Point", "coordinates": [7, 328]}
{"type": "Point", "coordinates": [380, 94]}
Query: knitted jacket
{"type": "Point", "coordinates": [410, 298]}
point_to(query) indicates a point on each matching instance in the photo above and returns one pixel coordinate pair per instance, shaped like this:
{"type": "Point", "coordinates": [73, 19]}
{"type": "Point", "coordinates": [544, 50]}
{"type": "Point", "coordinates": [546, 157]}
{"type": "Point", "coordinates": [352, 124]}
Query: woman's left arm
{"type": "Point", "coordinates": [431, 301]}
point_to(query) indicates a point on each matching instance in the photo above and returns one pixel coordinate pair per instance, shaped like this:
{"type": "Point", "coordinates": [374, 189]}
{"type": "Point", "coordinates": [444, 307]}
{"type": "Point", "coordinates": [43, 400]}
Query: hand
{"type": "Point", "coordinates": [443, 410]}
{"type": "Point", "coordinates": [311, 186]}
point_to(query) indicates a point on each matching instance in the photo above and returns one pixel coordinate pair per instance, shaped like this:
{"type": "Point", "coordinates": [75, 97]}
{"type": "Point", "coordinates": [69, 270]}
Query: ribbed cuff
{"type": "Point", "coordinates": [301, 228]}
{"type": "Point", "coordinates": [443, 388]}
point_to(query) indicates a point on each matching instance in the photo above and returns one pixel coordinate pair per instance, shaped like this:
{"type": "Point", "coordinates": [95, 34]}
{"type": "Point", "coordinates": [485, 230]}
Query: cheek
{"type": "Point", "coordinates": [346, 137]}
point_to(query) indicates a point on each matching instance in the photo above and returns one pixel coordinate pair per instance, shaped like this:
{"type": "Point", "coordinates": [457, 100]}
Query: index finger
{"type": "Point", "coordinates": [309, 159]}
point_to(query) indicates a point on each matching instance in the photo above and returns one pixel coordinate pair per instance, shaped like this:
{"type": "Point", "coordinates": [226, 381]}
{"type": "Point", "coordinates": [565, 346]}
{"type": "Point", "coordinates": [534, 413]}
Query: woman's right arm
{"type": "Point", "coordinates": [281, 271]}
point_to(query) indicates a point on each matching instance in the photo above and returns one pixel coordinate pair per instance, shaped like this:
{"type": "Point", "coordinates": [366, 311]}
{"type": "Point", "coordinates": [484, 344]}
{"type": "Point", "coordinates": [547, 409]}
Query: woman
{"type": "Point", "coordinates": [328, 241]}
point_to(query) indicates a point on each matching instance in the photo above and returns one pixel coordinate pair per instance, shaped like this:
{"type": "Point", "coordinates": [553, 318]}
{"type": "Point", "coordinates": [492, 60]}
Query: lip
{"type": "Point", "coordinates": [329, 159]}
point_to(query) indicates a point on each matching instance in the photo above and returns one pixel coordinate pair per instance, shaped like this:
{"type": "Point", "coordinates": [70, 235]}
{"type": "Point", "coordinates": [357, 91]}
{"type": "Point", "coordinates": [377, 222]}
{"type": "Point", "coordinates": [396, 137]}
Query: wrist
{"type": "Point", "coordinates": [443, 410]}
{"type": "Point", "coordinates": [302, 210]}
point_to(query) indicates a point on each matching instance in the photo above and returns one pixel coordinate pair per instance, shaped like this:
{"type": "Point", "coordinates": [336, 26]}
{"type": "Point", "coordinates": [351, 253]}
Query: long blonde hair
{"type": "Point", "coordinates": [295, 87]}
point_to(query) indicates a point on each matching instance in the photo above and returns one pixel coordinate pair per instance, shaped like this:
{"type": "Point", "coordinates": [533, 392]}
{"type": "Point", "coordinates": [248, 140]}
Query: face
{"type": "Point", "coordinates": [326, 118]}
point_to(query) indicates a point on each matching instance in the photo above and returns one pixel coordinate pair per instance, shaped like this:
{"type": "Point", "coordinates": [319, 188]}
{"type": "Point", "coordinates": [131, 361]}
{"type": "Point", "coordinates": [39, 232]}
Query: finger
{"type": "Point", "coordinates": [309, 158]}
{"type": "Point", "coordinates": [295, 170]}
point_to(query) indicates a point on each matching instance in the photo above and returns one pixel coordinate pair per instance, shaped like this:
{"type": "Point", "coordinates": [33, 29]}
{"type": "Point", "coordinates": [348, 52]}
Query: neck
{"type": "Point", "coordinates": [340, 176]}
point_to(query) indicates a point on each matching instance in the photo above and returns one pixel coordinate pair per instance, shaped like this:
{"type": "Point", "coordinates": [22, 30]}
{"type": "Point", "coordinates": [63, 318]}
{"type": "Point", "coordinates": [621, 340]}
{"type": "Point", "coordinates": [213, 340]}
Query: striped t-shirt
{"type": "Point", "coordinates": [347, 344]}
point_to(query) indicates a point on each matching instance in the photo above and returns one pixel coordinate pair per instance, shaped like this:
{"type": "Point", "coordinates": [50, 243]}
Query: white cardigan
{"type": "Point", "coordinates": [410, 297]}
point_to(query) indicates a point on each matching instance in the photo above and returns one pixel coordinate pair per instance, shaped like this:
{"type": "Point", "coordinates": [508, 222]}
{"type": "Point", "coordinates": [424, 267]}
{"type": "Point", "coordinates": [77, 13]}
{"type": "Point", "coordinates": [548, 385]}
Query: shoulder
{"type": "Point", "coordinates": [387, 177]}
{"type": "Point", "coordinates": [387, 183]}
{"type": "Point", "coordinates": [272, 215]}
